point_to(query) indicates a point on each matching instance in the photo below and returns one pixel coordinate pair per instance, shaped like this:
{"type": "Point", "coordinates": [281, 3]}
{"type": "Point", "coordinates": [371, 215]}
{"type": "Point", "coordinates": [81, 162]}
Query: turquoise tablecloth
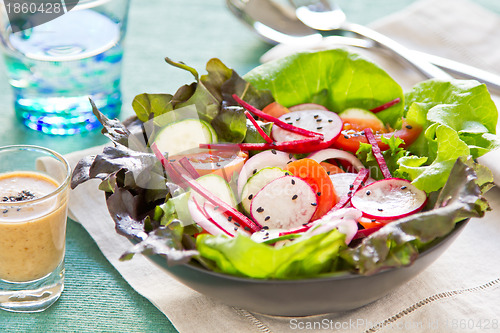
{"type": "Point", "coordinates": [96, 298]}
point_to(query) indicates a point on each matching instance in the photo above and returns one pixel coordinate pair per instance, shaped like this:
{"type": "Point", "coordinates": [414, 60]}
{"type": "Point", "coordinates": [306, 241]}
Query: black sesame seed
{"type": "Point", "coordinates": [265, 227]}
{"type": "Point", "coordinates": [304, 224]}
{"type": "Point", "coordinates": [287, 173]}
{"type": "Point", "coordinates": [295, 196]}
{"type": "Point", "coordinates": [235, 228]}
{"type": "Point", "coordinates": [247, 228]}
{"type": "Point", "coordinates": [255, 171]}
{"type": "Point", "coordinates": [267, 218]}
{"type": "Point", "coordinates": [290, 123]}
{"type": "Point", "coordinates": [273, 151]}
{"type": "Point", "coordinates": [297, 119]}
{"type": "Point", "coordinates": [293, 181]}
{"type": "Point", "coordinates": [346, 136]}
{"type": "Point", "coordinates": [403, 187]}
{"type": "Point", "coordinates": [19, 209]}
{"type": "Point", "coordinates": [409, 126]}
{"type": "Point", "coordinates": [288, 118]}
{"type": "Point", "coordinates": [237, 224]}
{"type": "Point", "coordinates": [319, 120]}
{"type": "Point", "coordinates": [267, 237]}
{"type": "Point", "coordinates": [362, 183]}
{"type": "Point", "coordinates": [260, 210]}
{"type": "Point", "coordinates": [5, 199]}
{"type": "Point", "coordinates": [318, 128]}
{"type": "Point", "coordinates": [313, 204]}
{"type": "Point", "coordinates": [362, 132]}
{"type": "Point", "coordinates": [217, 164]}
{"type": "Point", "coordinates": [351, 186]}
{"type": "Point", "coordinates": [380, 209]}
{"type": "Point", "coordinates": [373, 220]}
{"type": "Point", "coordinates": [5, 211]}
{"type": "Point", "coordinates": [368, 192]}
{"type": "Point", "coordinates": [250, 197]}
{"type": "Point", "coordinates": [328, 173]}
{"type": "Point", "coordinates": [318, 194]}
{"type": "Point", "coordinates": [267, 234]}
{"type": "Point", "coordinates": [316, 116]}
{"type": "Point", "coordinates": [330, 120]}
{"type": "Point", "coordinates": [349, 193]}
{"type": "Point", "coordinates": [230, 218]}
{"type": "Point", "coordinates": [289, 162]}
{"type": "Point", "coordinates": [290, 156]}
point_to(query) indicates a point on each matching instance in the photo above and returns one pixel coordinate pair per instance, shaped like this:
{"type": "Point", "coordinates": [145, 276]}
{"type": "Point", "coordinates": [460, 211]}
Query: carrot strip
{"type": "Point", "coordinates": [258, 128]}
{"type": "Point", "coordinates": [275, 120]}
{"type": "Point", "coordinates": [377, 153]}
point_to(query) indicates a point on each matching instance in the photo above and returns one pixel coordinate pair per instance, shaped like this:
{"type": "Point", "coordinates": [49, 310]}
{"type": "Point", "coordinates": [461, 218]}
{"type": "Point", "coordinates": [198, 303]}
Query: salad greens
{"type": "Point", "coordinates": [242, 256]}
{"type": "Point", "coordinates": [458, 120]}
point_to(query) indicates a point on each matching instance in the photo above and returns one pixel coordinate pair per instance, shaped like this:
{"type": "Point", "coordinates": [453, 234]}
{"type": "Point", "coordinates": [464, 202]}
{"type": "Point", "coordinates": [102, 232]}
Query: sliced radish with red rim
{"type": "Point", "coordinates": [389, 199]}
{"type": "Point", "coordinates": [324, 122]}
{"type": "Point", "coordinates": [307, 107]}
{"type": "Point", "coordinates": [285, 203]}
{"type": "Point", "coordinates": [332, 153]}
{"type": "Point", "coordinates": [268, 158]}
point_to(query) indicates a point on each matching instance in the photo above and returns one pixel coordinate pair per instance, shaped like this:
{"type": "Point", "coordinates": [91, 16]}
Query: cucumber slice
{"type": "Point", "coordinates": [184, 135]}
{"type": "Point", "coordinates": [218, 187]}
{"type": "Point", "coordinates": [257, 182]}
{"type": "Point", "coordinates": [356, 113]}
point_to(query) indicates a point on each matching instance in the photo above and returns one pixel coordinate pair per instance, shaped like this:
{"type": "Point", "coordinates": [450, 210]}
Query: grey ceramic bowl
{"type": "Point", "coordinates": [308, 296]}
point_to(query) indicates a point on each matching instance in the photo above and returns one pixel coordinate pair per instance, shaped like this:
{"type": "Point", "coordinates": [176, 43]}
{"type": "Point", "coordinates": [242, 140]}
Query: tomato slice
{"type": "Point", "coordinates": [351, 137]}
{"type": "Point", "coordinates": [221, 162]}
{"type": "Point", "coordinates": [275, 109]}
{"type": "Point", "coordinates": [371, 223]}
{"type": "Point", "coordinates": [317, 177]}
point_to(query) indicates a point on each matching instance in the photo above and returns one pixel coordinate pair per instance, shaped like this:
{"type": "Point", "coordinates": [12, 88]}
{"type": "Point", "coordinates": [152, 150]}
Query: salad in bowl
{"type": "Point", "coordinates": [310, 171]}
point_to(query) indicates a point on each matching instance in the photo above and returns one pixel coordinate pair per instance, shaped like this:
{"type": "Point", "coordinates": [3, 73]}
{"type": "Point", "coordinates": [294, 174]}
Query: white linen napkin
{"type": "Point", "coordinates": [459, 291]}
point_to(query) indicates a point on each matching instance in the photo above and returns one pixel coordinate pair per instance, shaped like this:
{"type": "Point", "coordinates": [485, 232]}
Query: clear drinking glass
{"type": "Point", "coordinates": [33, 212]}
{"type": "Point", "coordinates": [56, 66]}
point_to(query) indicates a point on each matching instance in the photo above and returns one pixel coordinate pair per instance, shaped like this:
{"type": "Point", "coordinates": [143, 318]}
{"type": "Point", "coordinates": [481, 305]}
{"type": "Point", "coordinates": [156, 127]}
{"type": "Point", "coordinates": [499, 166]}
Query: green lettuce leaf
{"type": "Point", "coordinates": [458, 118]}
{"type": "Point", "coordinates": [209, 99]}
{"type": "Point", "coordinates": [398, 243]}
{"type": "Point", "coordinates": [243, 257]}
{"type": "Point", "coordinates": [335, 78]}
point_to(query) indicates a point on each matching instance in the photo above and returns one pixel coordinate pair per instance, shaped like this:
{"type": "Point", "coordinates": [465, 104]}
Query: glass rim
{"type": "Point", "coordinates": [64, 184]}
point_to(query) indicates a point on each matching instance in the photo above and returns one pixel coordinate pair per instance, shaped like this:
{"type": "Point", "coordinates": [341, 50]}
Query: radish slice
{"type": "Point", "coordinates": [307, 106]}
{"type": "Point", "coordinates": [287, 202]}
{"type": "Point", "coordinates": [324, 122]}
{"type": "Point", "coordinates": [344, 182]}
{"type": "Point", "coordinates": [268, 158]}
{"type": "Point", "coordinates": [343, 219]}
{"type": "Point", "coordinates": [358, 183]}
{"type": "Point", "coordinates": [200, 218]}
{"type": "Point", "coordinates": [332, 153]}
{"type": "Point", "coordinates": [389, 199]}
{"type": "Point", "coordinates": [265, 235]}
{"type": "Point", "coordinates": [225, 222]}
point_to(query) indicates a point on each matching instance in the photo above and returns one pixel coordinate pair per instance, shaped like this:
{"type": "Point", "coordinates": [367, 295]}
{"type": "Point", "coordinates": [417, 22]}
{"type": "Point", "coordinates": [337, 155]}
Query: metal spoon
{"type": "Point", "coordinates": [263, 22]}
{"type": "Point", "coordinates": [325, 16]}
